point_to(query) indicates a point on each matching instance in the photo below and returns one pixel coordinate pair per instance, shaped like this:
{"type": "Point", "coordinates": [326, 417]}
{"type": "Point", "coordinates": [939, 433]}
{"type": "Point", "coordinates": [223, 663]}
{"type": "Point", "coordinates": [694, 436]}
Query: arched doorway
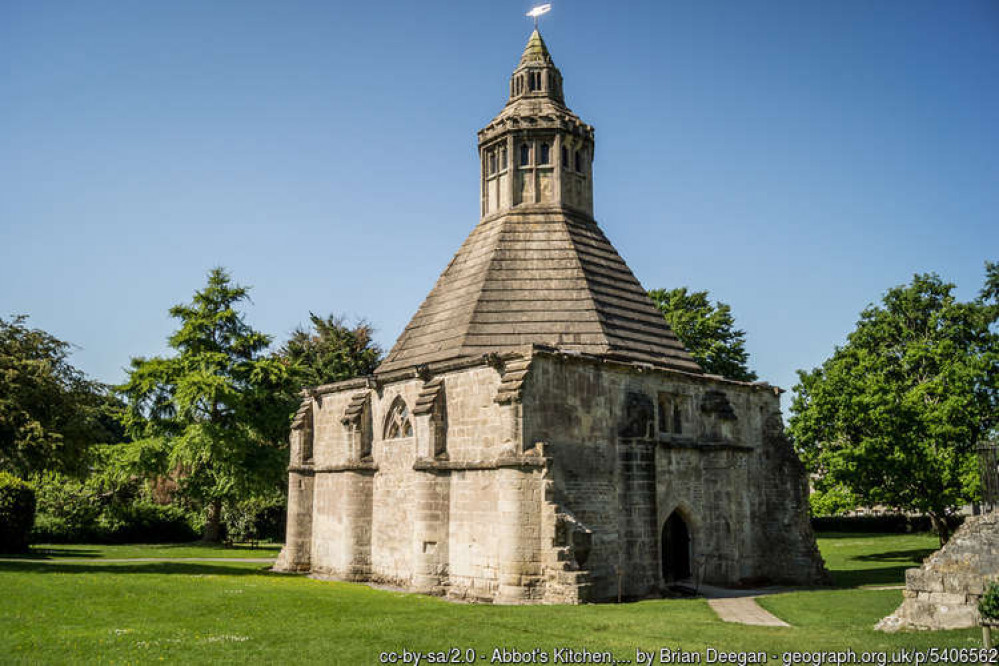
{"type": "Point", "coordinates": [675, 549]}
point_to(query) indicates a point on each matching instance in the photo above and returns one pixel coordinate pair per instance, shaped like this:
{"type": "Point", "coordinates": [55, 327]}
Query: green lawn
{"type": "Point", "coordinates": [237, 612]}
{"type": "Point", "coordinates": [196, 549]}
{"type": "Point", "coordinates": [874, 559]}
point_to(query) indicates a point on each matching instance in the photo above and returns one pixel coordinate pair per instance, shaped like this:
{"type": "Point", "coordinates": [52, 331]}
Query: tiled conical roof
{"type": "Point", "coordinates": [537, 277]}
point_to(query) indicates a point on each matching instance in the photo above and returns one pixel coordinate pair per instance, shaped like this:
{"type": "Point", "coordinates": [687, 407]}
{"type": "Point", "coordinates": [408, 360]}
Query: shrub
{"type": "Point", "coordinates": [17, 513]}
{"type": "Point", "coordinates": [72, 511]}
{"type": "Point", "coordinates": [894, 523]}
{"type": "Point", "coordinates": [67, 510]}
{"type": "Point", "coordinates": [988, 605]}
{"type": "Point", "coordinates": [258, 518]}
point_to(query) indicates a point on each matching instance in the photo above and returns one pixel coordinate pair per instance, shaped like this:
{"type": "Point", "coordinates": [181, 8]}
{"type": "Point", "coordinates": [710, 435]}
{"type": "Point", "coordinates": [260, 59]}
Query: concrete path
{"type": "Point", "coordinates": [126, 560]}
{"type": "Point", "coordinates": [745, 610]}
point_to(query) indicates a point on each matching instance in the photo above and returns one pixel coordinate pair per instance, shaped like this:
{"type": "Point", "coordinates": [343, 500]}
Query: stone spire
{"type": "Point", "coordinates": [536, 75]}
{"type": "Point", "coordinates": [537, 269]}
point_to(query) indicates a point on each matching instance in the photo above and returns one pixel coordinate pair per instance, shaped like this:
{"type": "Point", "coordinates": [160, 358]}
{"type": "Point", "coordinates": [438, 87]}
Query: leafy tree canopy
{"type": "Point", "coordinates": [215, 414]}
{"type": "Point", "coordinates": [50, 413]}
{"type": "Point", "coordinates": [707, 331]}
{"type": "Point", "coordinates": [895, 414]}
{"type": "Point", "coordinates": [330, 351]}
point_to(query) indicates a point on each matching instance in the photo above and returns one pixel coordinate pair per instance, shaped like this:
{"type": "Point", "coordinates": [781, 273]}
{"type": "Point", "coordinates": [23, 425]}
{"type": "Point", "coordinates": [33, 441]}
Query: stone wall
{"type": "Point", "coordinates": [621, 474]}
{"type": "Point", "coordinates": [944, 592]}
{"type": "Point", "coordinates": [553, 483]}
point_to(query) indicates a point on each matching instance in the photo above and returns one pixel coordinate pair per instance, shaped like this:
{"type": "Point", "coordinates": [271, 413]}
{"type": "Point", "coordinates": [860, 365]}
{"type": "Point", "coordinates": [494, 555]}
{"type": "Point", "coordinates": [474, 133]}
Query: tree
{"type": "Point", "coordinates": [330, 351]}
{"type": "Point", "coordinates": [895, 414]}
{"type": "Point", "coordinates": [215, 414]}
{"type": "Point", "coordinates": [707, 331]}
{"type": "Point", "coordinates": [50, 413]}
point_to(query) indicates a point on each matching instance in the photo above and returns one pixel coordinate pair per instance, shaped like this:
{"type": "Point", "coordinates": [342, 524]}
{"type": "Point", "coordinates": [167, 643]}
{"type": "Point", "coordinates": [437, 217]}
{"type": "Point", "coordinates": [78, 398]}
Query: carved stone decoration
{"type": "Point", "coordinates": [716, 403]}
{"type": "Point", "coordinates": [639, 416]}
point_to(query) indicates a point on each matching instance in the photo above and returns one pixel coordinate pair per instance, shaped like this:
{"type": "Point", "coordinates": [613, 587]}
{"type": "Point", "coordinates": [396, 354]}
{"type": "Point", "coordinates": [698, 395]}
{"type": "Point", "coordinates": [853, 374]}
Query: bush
{"type": "Point", "coordinates": [988, 605]}
{"type": "Point", "coordinates": [67, 510]}
{"type": "Point", "coordinates": [71, 511]}
{"type": "Point", "coordinates": [145, 522]}
{"type": "Point", "coordinates": [894, 523]}
{"type": "Point", "coordinates": [256, 519]}
{"type": "Point", "coordinates": [17, 513]}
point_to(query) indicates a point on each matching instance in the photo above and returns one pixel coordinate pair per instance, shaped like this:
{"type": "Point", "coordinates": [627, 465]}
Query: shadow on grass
{"type": "Point", "coordinates": [49, 553]}
{"type": "Point", "coordinates": [157, 568]}
{"type": "Point", "coordinates": [914, 555]}
{"type": "Point", "coordinates": [887, 575]}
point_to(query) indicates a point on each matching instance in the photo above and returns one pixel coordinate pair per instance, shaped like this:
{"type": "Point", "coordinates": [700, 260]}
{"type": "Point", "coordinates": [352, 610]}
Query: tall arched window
{"type": "Point", "coordinates": [525, 154]}
{"type": "Point", "coordinates": [397, 423]}
{"type": "Point", "coordinates": [545, 156]}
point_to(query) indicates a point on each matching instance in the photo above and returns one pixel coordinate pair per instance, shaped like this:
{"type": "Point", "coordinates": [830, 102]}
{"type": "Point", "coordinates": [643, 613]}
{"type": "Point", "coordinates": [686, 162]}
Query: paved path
{"type": "Point", "coordinates": [745, 610]}
{"type": "Point", "coordinates": [125, 560]}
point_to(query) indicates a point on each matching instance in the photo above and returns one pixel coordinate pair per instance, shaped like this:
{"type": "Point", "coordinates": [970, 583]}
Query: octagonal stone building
{"type": "Point", "coordinates": [538, 434]}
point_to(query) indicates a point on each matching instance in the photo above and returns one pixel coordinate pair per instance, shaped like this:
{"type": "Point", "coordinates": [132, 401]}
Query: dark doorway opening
{"type": "Point", "coordinates": [675, 549]}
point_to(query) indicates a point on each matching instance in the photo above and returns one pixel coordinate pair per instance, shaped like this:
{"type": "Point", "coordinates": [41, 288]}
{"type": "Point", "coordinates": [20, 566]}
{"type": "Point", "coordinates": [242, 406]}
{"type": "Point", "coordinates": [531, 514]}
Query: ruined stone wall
{"type": "Point", "coordinates": [620, 473]}
{"type": "Point", "coordinates": [944, 592]}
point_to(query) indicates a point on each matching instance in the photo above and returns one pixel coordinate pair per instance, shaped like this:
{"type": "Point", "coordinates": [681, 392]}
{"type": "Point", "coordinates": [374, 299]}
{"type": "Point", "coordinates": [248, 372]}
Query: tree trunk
{"type": "Point", "coordinates": [940, 526]}
{"type": "Point", "coordinates": [213, 522]}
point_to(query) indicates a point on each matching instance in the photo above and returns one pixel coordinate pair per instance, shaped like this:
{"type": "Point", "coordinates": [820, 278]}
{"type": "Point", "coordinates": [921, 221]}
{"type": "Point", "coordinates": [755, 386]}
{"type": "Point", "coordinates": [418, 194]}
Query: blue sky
{"type": "Point", "coordinates": [796, 158]}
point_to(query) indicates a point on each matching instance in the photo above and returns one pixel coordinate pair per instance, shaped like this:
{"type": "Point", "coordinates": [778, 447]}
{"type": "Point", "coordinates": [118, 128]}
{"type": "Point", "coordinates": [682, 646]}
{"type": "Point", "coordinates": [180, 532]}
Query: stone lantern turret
{"type": "Point", "coordinates": [536, 153]}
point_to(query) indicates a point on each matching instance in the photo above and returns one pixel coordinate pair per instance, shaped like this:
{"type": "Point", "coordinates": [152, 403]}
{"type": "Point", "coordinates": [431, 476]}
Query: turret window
{"type": "Point", "coordinates": [579, 161]}
{"type": "Point", "coordinates": [502, 159]}
{"type": "Point", "coordinates": [545, 157]}
{"type": "Point", "coordinates": [525, 154]}
{"type": "Point", "coordinates": [492, 163]}
{"type": "Point", "coordinates": [565, 157]}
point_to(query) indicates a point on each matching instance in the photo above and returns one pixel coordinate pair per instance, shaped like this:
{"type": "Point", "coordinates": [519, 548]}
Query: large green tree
{"type": "Point", "coordinates": [330, 351]}
{"type": "Point", "coordinates": [895, 414]}
{"type": "Point", "coordinates": [707, 330]}
{"type": "Point", "coordinates": [50, 412]}
{"type": "Point", "coordinates": [215, 414]}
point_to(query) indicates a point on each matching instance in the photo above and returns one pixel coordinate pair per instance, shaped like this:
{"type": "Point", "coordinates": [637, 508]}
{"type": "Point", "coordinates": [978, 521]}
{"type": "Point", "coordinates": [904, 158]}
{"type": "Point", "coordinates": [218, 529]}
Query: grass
{"type": "Point", "coordinates": [874, 559]}
{"type": "Point", "coordinates": [237, 612]}
{"type": "Point", "coordinates": [101, 551]}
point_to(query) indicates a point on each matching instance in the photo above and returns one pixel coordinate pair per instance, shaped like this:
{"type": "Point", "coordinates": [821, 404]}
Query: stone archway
{"type": "Point", "coordinates": [676, 549]}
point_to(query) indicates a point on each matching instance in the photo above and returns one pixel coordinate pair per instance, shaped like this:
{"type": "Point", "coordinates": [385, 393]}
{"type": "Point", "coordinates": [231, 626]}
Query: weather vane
{"type": "Point", "coordinates": [538, 11]}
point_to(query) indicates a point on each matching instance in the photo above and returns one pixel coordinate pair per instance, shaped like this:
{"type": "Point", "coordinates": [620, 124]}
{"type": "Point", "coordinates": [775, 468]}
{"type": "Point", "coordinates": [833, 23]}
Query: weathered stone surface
{"type": "Point", "coordinates": [538, 434]}
{"type": "Point", "coordinates": [944, 592]}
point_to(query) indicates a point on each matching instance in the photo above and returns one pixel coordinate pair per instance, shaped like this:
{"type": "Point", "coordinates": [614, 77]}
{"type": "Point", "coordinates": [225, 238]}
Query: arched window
{"type": "Point", "coordinates": [525, 154]}
{"type": "Point", "coordinates": [545, 154]}
{"type": "Point", "coordinates": [532, 80]}
{"type": "Point", "coordinates": [397, 423]}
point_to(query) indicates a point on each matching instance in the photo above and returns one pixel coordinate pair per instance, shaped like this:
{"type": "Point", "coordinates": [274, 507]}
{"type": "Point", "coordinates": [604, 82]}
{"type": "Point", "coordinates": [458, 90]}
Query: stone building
{"type": "Point", "coordinates": [538, 433]}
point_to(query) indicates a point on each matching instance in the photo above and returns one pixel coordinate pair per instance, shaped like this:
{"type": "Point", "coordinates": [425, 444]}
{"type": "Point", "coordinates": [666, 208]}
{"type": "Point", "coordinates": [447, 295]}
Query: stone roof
{"type": "Point", "coordinates": [538, 277]}
{"type": "Point", "coordinates": [536, 50]}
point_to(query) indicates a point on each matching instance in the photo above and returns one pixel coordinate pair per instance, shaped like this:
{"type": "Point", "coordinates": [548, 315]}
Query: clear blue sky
{"type": "Point", "coordinates": [794, 158]}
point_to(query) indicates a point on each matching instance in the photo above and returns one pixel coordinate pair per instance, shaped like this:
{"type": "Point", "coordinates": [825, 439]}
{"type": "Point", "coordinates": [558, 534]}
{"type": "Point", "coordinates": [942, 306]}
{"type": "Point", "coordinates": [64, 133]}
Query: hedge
{"type": "Point", "coordinates": [17, 513]}
{"type": "Point", "coordinates": [894, 523]}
